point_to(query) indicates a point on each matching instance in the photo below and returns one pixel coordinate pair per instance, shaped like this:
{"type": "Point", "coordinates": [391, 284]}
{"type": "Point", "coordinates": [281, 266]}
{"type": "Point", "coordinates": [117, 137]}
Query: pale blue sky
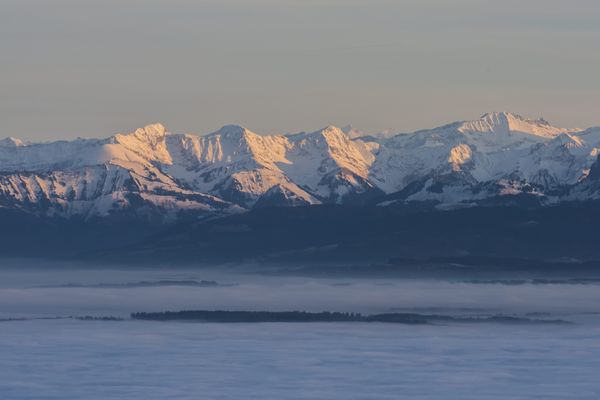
{"type": "Point", "coordinates": [92, 68]}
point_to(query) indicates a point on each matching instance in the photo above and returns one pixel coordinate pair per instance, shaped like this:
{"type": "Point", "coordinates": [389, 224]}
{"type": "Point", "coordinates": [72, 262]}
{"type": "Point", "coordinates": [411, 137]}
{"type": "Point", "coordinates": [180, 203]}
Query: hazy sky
{"type": "Point", "coordinates": [93, 68]}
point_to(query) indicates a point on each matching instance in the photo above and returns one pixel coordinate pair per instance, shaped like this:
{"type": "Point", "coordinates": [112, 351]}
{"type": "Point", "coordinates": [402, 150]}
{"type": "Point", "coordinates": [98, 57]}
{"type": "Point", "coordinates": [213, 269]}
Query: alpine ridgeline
{"type": "Point", "coordinates": [154, 173]}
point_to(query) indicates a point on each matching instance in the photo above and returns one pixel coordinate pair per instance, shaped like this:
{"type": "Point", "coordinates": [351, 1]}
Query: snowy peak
{"type": "Point", "coordinates": [505, 123]}
{"type": "Point", "coordinates": [232, 132]}
{"type": "Point", "coordinates": [327, 138]}
{"type": "Point", "coordinates": [334, 145]}
{"type": "Point", "coordinates": [322, 137]}
{"type": "Point", "coordinates": [234, 143]}
{"type": "Point", "coordinates": [334, 137]}
{"type": "Point", "coordinates": [153, 133]}
{"type": "Point", "coordinates": [147, 142]}
{"type": "Point", "coordinates": [11, 142]}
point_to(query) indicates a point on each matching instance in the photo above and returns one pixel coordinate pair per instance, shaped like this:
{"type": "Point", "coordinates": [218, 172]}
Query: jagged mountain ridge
{"type": "Point", "coordinates": [154, 172]}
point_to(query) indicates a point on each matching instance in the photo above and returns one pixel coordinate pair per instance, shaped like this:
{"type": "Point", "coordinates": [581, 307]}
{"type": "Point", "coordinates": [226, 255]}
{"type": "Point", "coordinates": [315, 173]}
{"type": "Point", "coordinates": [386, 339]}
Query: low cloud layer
{"type": "Point", "coordinates": [22, 294]}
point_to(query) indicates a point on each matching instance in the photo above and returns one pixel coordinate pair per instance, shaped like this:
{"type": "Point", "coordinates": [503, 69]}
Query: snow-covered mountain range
{"type": "Point", "coordinates": [152, 172]}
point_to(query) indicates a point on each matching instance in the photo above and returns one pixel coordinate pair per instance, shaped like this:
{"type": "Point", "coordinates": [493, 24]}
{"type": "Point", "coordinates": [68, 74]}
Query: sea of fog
{"type": "Point", "coordinates": [43, 357]}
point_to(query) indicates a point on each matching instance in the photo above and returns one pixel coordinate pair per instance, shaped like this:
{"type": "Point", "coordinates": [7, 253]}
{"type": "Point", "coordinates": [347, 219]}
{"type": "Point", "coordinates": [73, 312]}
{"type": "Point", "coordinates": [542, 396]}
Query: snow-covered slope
{"type": "Point", "coordinates": [241, 166]}
{"type": "Point", "coordinates": [154, 172]}
{"type": "Point", "coordinates": [330, 164]}
{"type": "Point", "coordinates": [232, 163]}
{"type": "Point", "coordinates": [98, 178]}
{"type": "Point", "coordinates": [500, 153]}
